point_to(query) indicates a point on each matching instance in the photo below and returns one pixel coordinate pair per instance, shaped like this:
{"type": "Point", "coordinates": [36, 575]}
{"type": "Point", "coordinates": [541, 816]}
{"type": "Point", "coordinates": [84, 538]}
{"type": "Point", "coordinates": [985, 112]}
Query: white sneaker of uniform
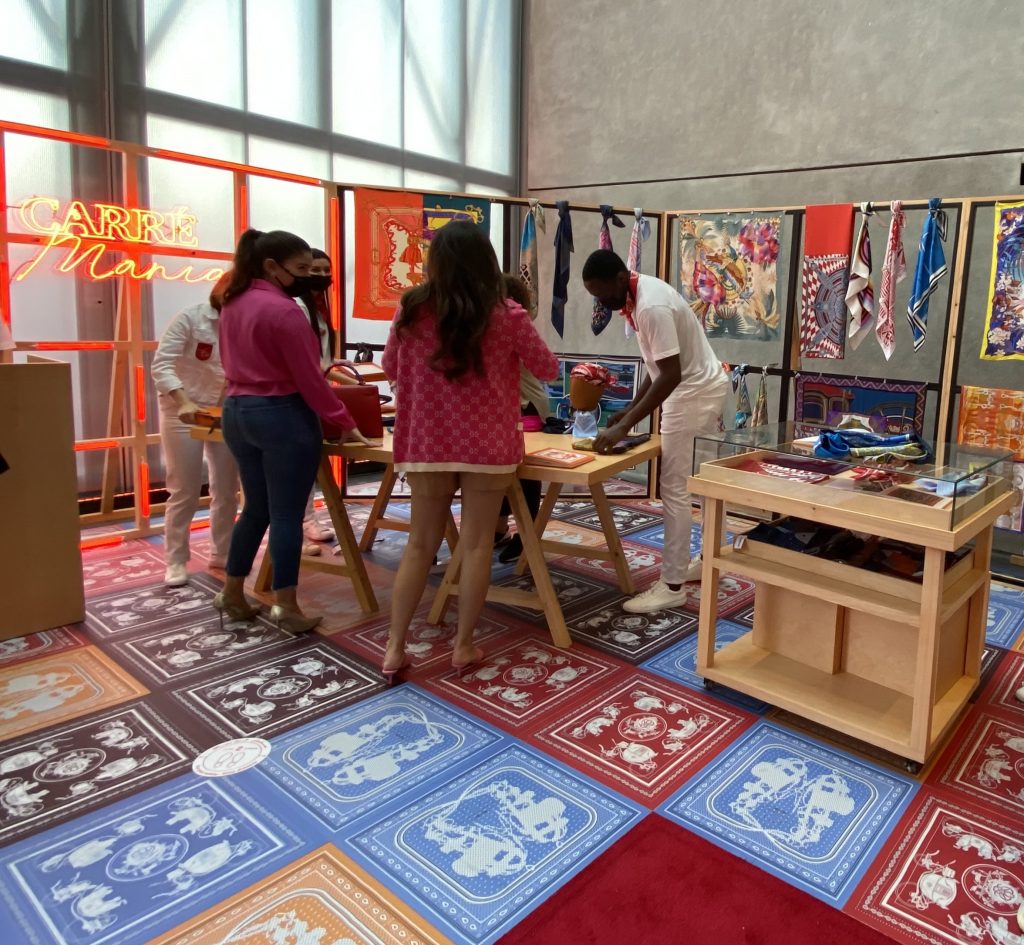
{"type": "Point", "coordinates": [658, 596]}
{"type": "Point", "coordinates": [695, 570]}
{"type": "Point", "coordinates": [314, 531]}
{"type": "Point", "coordinates": [310, 548]}
{"type": "Point", "coordinates": [176, 575]}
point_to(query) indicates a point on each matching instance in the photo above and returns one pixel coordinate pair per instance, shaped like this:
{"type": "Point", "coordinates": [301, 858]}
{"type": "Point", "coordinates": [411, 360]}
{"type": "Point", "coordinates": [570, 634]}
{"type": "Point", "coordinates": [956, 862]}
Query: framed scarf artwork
{"type": "Point", "coordinates": [1003, 336]}
{"type": "Point", "coordinates": [727, 274]}
{"type": "Point", "coordinates": [992, 418]}
{"type": "Point", "coordinates": [892, 406]}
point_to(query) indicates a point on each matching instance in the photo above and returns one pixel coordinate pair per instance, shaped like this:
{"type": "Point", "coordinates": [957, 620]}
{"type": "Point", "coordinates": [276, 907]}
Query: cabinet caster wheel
{"type": "Point", "coordinates": [710, 684]}
{"type": "Point", "coordinates": [913, 767]}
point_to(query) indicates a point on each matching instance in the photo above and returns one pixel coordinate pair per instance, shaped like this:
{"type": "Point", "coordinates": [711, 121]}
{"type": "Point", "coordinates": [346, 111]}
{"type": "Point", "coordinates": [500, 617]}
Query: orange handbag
{"type": "Point", "coordinates": [363, 402]}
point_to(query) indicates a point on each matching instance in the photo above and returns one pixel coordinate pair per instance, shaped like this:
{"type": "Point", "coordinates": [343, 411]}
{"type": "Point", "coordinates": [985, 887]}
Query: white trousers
{"type": "Point", "coordinates": [680, 425]}
{"type": "Point", "coordinates": [183, 460]}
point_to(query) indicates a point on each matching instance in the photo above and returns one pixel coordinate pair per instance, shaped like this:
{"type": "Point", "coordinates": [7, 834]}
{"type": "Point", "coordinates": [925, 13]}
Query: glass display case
{"type": "Point", "coordinates": [920, 483]}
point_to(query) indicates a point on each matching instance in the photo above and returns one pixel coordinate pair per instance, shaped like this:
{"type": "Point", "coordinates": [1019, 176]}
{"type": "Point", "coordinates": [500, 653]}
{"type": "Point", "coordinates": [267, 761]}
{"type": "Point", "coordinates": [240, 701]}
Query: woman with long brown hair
{"type": "Point", "coordinates": [453, 356]}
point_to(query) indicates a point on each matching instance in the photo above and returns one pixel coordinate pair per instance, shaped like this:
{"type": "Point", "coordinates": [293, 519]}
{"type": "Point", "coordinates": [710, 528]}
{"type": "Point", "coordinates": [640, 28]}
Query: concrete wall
{"type": "Point", "coordinates": [678, 104]}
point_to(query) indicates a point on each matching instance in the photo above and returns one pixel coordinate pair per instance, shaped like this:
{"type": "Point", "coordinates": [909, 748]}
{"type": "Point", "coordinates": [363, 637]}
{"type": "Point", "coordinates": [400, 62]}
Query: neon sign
{"type": "Point", "coordinates": [84, 233]}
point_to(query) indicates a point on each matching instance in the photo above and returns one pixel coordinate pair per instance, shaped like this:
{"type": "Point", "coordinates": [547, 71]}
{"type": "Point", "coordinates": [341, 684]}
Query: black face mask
{"type": "Point", "coordinates": [320, 283]}
{"type": "Point", "coordinates": [300, 285]}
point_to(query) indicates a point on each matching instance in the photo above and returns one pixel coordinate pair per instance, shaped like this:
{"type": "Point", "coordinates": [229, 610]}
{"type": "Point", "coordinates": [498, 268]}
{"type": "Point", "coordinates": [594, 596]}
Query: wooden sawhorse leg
{"type": "Point", "coordinates": [544, 598]}
{"type": "Point", "coordinates": [351, 566]}
{"type": "Point", "coordinates": [611, 535]}
{"type": "Point", "coordinates": [543, 517]}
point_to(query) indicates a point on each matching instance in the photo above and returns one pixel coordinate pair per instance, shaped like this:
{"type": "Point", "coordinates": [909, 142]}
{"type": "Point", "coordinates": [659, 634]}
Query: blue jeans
{"type": "Point", "coordinates": [276, 442]}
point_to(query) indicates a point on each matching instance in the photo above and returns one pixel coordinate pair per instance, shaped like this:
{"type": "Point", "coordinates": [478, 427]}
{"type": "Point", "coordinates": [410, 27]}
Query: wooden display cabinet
{"type": "Point", "coordinates": [888, 660]}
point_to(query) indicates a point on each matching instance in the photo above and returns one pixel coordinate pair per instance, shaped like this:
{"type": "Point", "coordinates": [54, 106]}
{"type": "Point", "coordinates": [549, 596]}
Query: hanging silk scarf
{"type": "Point", "coordinates": [930, 268]}
{"type": "Point", "coordinates": [727, 274]}
{"type": "Point", "coordinates": [440, 211]}
{"type": "Point", "coordinates": [760, 415]}
{"type": "Point", "coordinates": [393, 235]}
{"type": "Point", "coordinates": [641, 233]}
{"type": "Point", "coordinates": [602, 314]}
{"type": "Point", "coordinates": [860, 294]}
{"type": "Point", "coordinates": [1003, 336]}
{"type": "Point", "coordinates": [388, 251]}
{"type": "Point", "coordinates": [563, 247]}
{"type": "Point", "coordinates": [828, 236]}
{"type": "Point", "coordinates": [894, 270]}
{"type": "Point", "coordinates": [739, 385]}
{"type": "Point", "coordinates": [533, 221]}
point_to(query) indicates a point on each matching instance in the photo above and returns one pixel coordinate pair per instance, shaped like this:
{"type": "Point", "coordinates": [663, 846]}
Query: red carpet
{"type": "Point", "coordinates": [662, 884]}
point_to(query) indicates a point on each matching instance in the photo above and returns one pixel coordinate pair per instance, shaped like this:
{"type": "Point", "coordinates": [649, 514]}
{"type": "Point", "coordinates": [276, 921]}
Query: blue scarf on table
{"type": "Point", "coordinates": [563, 247]}
{"type": "Point", "coordinates": [931, 267]}
{"type": "Point", "coordinates": [838, 444]}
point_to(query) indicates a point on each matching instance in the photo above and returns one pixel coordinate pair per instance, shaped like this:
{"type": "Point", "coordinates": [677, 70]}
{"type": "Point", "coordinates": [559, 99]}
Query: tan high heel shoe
{"type": "Point", "coordinates": [243, 613]}
{"type": "Point", "coordinates": [284, 618]}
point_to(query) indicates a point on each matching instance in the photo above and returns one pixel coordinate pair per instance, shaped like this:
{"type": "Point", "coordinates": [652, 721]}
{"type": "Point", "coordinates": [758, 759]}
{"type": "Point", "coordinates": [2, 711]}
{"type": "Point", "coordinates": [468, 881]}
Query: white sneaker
{"type": "Point", "coordinates": [695, 570]}
{"type": "Point", "coordinates": [314, 531]}
{"type": "Point", "coordinates": [310, 548]}
{"type": "Point", "coordinates": [176, 575]}
{"type": "Point", "coordinates": [659, 596]}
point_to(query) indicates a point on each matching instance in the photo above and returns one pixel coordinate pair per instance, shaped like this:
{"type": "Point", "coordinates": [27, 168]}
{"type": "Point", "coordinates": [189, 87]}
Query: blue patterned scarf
{"type": "Point", "coordinates": [931, 267]}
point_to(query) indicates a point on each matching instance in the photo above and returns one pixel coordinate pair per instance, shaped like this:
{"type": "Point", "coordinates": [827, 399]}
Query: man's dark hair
{"type": "Point", "coordinates": [603, 264]}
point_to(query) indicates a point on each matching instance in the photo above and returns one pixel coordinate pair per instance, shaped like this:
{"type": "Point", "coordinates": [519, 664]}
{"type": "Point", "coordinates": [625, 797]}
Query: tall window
{"type": "Point", "coordinates": [405, 93]}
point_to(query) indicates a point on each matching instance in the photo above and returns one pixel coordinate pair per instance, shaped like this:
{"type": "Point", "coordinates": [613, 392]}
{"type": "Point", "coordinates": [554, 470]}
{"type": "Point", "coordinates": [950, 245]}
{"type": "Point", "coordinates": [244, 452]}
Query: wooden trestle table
{"type": "Point", "coordinates": [591, 475]}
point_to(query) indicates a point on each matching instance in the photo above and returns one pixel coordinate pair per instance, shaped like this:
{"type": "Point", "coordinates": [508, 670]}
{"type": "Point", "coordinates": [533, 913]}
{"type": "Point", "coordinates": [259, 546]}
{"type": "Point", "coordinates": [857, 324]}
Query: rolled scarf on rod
{"type": "Point", "coordinates": [860, 293]}
{"type": "Point", "coordinates": [602, 314]}
{"type": "Point", "coordinates": [563, 249]}
{"type": "Point", "coordinates": [533, 221]}
{"type": "Point", "coordinates": [930, 268]}
{"type": "Point", "coordinates": [894, 270]}
{"type": "Point", "coordinates": [640, 234]}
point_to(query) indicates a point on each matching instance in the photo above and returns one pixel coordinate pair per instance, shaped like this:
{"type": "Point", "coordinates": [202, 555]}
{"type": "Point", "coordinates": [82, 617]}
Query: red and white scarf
{"type": "Point", "coordinates": [894, 270]}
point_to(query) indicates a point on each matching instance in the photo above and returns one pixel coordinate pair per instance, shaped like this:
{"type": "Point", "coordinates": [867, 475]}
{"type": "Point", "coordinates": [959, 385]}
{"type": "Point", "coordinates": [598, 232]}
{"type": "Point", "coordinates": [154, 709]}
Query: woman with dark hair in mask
{"type": "Point", "coordinates": [318, 310]}
{"type": "Point", "coordinates": [276, 394]}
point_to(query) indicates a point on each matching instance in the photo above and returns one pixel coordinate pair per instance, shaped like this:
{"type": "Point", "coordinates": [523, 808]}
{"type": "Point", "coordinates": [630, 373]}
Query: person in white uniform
{"type": "Point", "coordinates": [188, 376]}
{"type": "Point", "coordinates": [6, 344]}
{"type": "Point", "coordinates": [688, 382]}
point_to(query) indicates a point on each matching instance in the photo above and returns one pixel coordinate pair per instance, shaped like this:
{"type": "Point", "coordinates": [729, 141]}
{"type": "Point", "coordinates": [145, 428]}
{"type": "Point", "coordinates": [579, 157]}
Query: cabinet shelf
{"type": "Point", "coordinates": [870, 712]}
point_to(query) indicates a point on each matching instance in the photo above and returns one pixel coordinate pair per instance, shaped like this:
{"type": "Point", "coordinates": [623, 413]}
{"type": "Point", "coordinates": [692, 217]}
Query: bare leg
{"type": "Point", "coordinates": [430, 507]}
{"type": "Point", "coordinates": [479, 509]}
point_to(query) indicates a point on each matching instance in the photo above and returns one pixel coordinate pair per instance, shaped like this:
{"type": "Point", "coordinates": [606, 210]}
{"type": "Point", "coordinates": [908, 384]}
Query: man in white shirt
{"type": "Point", "coordinates": [6, 344]}
{"type": "Point", "coordinates": [688, 382]}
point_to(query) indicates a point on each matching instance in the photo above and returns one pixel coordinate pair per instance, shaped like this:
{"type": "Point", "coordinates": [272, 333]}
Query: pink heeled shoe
{"type": "Point", "coordinates": [389, 674]}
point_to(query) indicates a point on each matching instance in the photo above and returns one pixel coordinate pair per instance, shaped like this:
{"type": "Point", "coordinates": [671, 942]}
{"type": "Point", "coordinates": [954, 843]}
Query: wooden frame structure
{"type": "Point", "coordinates": [126, 432]}
{"type": "Point", "coordinates": [126, 428]}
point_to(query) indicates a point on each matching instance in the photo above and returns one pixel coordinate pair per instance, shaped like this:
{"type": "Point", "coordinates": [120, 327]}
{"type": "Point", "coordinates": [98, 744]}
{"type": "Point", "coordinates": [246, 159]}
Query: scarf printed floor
{"type": "Point", "coordinates": [455, 809]}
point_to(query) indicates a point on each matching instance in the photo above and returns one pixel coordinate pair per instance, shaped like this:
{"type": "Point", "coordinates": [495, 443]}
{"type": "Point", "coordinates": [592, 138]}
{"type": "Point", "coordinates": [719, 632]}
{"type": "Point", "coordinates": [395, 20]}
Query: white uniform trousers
{"type": "Point", "coordinates": [681, 423]}
{"type": "Point", "coordinates": [183, 461]}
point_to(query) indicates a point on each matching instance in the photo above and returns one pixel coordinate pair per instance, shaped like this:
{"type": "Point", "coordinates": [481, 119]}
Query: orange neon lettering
{"type": "Point", "coordinates": [115, 222]}
{"type": "Point", "coordinates": [27, 214]}
{"type": "Point", "coordinates": [87, 261]}
{"type": "Point", "coordinates": [182, 227]}
{"type": "Point", "coordinates": [151, 227]}
{"type": "Point", "coordinates": [77, 222]}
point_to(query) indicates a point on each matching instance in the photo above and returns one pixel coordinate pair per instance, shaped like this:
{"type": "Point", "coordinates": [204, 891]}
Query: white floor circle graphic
{"type": "Point", "coordinates": [231, 757]}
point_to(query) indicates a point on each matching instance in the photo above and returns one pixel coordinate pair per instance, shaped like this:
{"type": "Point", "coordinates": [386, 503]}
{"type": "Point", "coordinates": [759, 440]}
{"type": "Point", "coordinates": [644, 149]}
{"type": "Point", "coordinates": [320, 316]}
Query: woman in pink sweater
{"type": "Point", "coordinates": [276, 395]}
{"type": "Point", "coordinates": [453, 355]}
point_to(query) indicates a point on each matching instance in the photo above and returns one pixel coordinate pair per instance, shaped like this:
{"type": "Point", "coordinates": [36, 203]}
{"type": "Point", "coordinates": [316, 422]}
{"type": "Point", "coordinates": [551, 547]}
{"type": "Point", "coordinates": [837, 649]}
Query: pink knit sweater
{"type": "Point", "coordinates": [471, 423]}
